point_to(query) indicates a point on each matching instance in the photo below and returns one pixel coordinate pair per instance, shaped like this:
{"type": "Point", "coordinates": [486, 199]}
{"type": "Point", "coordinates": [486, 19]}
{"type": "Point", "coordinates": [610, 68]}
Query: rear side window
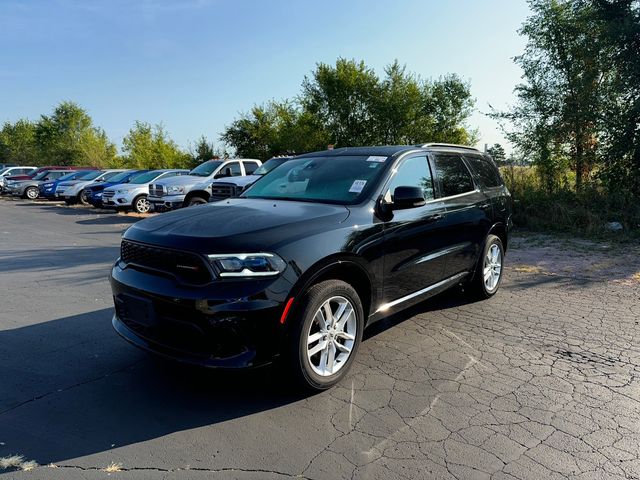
{"type": "Point", "coordinates": [453, 174]}
{"type": "Point", "coordinates": [250, 167]}
{"type": "Point", "coordinates": [413, 172]}
{"type": "Point", "coordinates": [488, 174]}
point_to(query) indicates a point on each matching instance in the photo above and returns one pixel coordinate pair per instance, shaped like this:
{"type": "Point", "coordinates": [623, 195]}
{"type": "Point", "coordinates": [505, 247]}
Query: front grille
{"type": "Point", "coordinates": [185, 266]}
{"type": "Point", "coordinates": [221, 191]}
{"type": "Point", "coordinates": [156, 190]}
{"type": "Point", "coordinates": [108, 193]}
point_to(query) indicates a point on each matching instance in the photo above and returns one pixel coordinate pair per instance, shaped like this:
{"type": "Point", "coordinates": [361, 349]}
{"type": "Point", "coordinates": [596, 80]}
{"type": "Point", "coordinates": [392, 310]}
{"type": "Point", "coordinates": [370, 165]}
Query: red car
{"type": "Point", "coordinates": [42, 169]}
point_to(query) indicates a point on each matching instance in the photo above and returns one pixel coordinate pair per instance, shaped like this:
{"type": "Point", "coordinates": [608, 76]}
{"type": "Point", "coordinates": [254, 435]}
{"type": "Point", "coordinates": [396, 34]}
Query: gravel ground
{"type": "Point", "coordinates": [540, 382]}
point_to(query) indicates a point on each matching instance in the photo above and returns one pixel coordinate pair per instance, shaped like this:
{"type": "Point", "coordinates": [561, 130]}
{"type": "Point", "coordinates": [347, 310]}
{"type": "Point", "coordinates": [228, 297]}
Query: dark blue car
{"type": "Point", "coordinates": [48, 189]}
{"type": "Point", "coordinates": [94, 191]}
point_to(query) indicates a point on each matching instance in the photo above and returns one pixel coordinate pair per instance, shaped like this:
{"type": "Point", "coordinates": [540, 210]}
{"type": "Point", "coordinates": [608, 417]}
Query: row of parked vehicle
{"type": "Point", "coordinates": [136, 190]}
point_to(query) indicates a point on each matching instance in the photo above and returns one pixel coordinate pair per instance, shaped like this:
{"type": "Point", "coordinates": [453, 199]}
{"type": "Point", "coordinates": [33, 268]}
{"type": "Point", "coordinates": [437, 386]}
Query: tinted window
{"type": "Point", "coordinates": [413, 172]}
{"type": "Point", "coordinates": [250, 167]}
{"type": "Point", "coordinates": [345, 179]}
{"type": "Point", "coordinates": [488, 174]}
{"type": "Point", "coordinates": [453, 174]}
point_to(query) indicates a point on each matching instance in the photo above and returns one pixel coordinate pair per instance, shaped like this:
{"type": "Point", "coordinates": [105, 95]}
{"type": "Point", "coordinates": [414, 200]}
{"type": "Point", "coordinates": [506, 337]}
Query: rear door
{"type": "Point", "coordinates": [413, 238]}
{"type": "Point", "coordinates": [467, 212]}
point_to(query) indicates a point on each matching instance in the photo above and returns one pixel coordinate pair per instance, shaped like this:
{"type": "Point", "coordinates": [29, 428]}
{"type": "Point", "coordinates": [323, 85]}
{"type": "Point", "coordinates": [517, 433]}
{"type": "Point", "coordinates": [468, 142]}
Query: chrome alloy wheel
{"type": "Point", "coordinates": [142, 205]}
{"type": "Point", "coordinates": [331, 336]}
{"type": "Point", "coordinates": [32, 193]}
{"type": "Point", "coordinates": [492, 268]}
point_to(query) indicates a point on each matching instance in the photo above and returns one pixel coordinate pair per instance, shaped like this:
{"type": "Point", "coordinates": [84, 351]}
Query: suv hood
{"type": "Point", "coordinates": [237, 224]}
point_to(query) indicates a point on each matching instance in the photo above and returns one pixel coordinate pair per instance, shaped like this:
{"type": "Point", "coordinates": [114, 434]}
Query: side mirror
{"type": "Point", "coordinates": [407, 197]}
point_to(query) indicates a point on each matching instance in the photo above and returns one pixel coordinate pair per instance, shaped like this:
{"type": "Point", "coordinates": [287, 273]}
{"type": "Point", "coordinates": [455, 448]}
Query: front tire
{"type": "Point", "coordinates": [326, 338]}
{"type": "Point", "coordinates": [196, 201]}
{"type": "Point", "coordinates": [31, 193]}
{"type": "Point", "coordinates": [141, 204]}
{"type": "Point", "coordinates": [488, 275]}
{"type": "Point", "coordinates": [82, 198]}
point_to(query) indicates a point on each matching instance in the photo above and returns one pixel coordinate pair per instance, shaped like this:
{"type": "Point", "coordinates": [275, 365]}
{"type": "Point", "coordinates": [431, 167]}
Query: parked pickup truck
{"type": "Point", "coordinates": [195, 188]}
{"type": "Point", "coordinates": [234, 186]}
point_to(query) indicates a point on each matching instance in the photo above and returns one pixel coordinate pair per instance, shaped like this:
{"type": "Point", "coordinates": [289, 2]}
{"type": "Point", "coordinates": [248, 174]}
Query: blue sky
{"type": "Point", "coordinates": [194, 65]}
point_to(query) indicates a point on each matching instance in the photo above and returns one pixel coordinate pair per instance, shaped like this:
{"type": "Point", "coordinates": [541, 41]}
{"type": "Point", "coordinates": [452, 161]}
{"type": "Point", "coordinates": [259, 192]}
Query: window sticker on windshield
{"type": "Point", "coordinates": [378, 159]}
{"type": "Point", "coordinates": [357, 186]}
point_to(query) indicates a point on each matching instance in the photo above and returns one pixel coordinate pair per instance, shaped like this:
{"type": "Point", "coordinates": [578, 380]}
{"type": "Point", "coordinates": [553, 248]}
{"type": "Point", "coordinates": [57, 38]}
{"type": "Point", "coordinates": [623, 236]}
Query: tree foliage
{"type": "Point", "coordinates": [17, 143]}
{"type": "Point", "coordinates": [347, 104]}
{"type": "Point", "coordinates": [579, 103]}
{"type": "Point", "coordinates": [68, 137]}
{"type": "Point", "coordinates": [147, 146]}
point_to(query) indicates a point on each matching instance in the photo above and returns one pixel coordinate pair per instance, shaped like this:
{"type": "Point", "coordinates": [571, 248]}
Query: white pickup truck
{"type": "Point", "coordinates": [195, 188]}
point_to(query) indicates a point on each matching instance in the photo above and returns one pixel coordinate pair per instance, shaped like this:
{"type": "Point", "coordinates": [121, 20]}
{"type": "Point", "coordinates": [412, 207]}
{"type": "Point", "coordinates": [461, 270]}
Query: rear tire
{"type": "Point", "coordinates": [488, 275]}
{"type": "Point", "coordinates": [325, 339]}
{"type": "Point", "coordinates": [196, 201]}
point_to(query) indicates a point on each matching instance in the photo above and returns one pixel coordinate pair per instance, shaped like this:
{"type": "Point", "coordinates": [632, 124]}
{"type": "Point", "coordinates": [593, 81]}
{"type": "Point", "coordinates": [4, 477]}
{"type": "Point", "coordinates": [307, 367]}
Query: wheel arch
{"type": "Point", "coordinates": [196, 193]}
{"type": "Point", "coordinates": [351, 269]}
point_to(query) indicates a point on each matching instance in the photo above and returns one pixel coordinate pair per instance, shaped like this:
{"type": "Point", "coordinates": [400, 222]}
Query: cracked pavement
{"type": "Point", "coordinates": [540, 381]}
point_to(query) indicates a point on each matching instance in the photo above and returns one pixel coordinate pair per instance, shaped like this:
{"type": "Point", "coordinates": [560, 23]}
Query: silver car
{"type": "Point", "coordinates": [73, 191]}
{"type": "Point", "coordinates": [133, 195]}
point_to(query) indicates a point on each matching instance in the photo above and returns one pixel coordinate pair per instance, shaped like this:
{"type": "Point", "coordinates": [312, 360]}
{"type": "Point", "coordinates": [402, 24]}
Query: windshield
{"type": "Point", "coordinates": [118, 177]}
{"type": "Point", "coordinates": [71, 176]}
{"type": "Point", "coordinates": [41, 175]}
{"type": "Point", "coordinates": [146, 177]}
{"type": "Point", "coordinates": [205, 169]}
{"type": "Point", "coordinates": [342, 179]}
{"type": "Point", "coordinates": [4, 170]}
{"type": "Point", "coordinates": [269, 165]}
{"type": "Point", "coordinates": [90, 175]}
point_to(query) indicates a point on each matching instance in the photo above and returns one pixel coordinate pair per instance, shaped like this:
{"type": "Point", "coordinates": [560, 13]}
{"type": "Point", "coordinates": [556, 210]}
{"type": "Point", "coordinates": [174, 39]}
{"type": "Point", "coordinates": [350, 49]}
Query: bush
{"type": "Point", "coordinates": [583, 213]}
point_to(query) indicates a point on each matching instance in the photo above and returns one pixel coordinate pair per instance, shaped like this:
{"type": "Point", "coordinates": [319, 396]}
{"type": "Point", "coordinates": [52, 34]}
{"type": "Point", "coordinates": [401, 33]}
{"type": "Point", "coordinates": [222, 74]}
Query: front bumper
{"type": "Point", "coordinates": [117, 201]}
{"type": "Point", "coordinates": [225, 324]}
{"type": "Point", "coordinates": [167, 202]}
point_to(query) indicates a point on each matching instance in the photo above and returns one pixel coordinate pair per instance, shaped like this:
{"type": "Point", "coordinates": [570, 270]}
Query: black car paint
{"type": "Point", "coordinates": [398, 253]}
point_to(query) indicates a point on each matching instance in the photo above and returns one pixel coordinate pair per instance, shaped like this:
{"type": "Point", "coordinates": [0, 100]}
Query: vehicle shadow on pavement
{"type": "Point", "coordinates": [452, 298]}
{"type": "Point", "coordinates": [71, 387]}
{"type": "Point", "coordinates": [66, 210]}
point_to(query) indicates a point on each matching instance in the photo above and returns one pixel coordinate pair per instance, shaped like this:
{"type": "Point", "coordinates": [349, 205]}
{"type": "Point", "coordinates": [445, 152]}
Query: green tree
{"type": "Point", "coordinates": [273, 129]}
{"type": "Point", "coordinates": [348, 105]}
{"type": "Point", "coordinates": [557, 118]}
{"type": "Point", "coordinates": [497, 153]}
{"type": "Point", "coordinates": [150, 147]}
{"type": "Point", "coordinates": [68, 137]}
{"type": "Point", "coordinates": [17, 143]}
{"type": "Point", "coordinates": [620, 30]}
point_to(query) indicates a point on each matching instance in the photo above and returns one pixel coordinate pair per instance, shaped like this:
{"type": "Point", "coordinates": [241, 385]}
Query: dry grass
{"type": "Point", "coordinates": [113, 467]}
{"type": "Point", "coordinates": [17, 462]}
{"type": "Point", "coordinates": [527, 269]}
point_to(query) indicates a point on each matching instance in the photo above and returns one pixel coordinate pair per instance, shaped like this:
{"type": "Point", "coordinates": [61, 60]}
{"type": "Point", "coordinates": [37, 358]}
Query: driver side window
{"type": "Point", "coordinates": [413, 172]}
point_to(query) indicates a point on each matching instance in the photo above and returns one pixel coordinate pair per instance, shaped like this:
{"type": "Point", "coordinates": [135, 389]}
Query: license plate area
{"type": "Point", "coordinates": [137, 310]}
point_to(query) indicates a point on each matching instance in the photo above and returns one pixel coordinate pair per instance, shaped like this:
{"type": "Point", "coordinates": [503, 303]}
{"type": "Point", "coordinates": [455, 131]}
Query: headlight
{"type": "Point", "coordinates": [48, 185]}
{"type": "Point", "coordinates": [97, 194]}
{"type": "Point", "coordinates": [175, 189]}
{"type": "Point", "coordinates": [122, 191]}
{"type": "Point", "coordinates": [248, 264]}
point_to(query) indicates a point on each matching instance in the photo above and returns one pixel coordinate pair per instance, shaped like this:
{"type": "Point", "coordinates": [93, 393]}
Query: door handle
{"type": "Point", "coordinates": [434, 218]}
{"type": "Point", "coordinates": [485, 206]}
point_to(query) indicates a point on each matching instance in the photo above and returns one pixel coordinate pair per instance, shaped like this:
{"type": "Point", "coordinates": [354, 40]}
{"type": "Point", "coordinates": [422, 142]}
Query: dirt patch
{"type": "Point", "coordinates": [547, 255]}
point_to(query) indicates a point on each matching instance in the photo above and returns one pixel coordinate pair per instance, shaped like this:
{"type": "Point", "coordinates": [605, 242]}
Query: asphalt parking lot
{"type": "Point", "coordinates": [540, 382]}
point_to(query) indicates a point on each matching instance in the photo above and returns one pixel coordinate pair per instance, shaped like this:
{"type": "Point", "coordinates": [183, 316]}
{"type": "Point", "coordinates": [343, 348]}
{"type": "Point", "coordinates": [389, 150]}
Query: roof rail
{"type": "Point", "coordinates": [453, 145]}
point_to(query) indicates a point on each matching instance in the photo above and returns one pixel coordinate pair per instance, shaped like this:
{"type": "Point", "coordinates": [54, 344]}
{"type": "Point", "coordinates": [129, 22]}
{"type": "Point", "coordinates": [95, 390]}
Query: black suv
{"type": "Point", "coordinates": [312, 253]}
